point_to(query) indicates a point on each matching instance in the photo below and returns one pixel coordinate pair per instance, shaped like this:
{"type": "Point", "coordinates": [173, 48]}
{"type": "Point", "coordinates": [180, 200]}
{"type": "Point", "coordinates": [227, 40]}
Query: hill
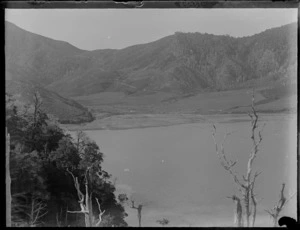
{"type": "Point", "coordinates": [28, 57]}
{"type": "Point", "coordinates": [179, 63]}
{"type": "Point", "coordinates": [177, 66]}
{"type": "Point", "coordinates": [65, 110]}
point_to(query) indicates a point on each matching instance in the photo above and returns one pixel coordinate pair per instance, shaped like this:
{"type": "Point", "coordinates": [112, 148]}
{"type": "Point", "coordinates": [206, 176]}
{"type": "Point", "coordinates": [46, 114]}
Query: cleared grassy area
{"type": "Point", "coordinates": [118, 111]}
{"type": "Point", "coordinates": [100, 98]}
{"type": "Point", "coordinates": [215, 102]}
{"type": "Point", "coordinates": [107, 98]}
{"type": "Point", "coordinates": [167, 103]}
{"type": "Point", "coordinates": [131, 121]}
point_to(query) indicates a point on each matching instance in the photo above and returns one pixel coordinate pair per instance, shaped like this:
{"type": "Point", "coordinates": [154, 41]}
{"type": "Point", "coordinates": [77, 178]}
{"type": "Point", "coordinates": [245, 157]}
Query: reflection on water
{"type": "Point", "coordinates": [176, 171]}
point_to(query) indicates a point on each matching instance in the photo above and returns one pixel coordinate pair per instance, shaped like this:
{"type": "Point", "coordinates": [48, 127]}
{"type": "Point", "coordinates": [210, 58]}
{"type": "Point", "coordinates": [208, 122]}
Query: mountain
{"type": "Point", "coordinates": [27, 58]}
{"type": "Point", "coordinates": [34, 55]}
{"type": "Point", "coordinates": [180, 63]}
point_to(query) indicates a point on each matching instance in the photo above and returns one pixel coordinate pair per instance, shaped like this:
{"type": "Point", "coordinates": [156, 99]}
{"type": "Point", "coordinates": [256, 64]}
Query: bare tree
{"type": "Point", "coordinates": [238, 213]}
{"type": "Point", "coordinates": [123, 199]}
{"type": "Point", "coordinates": [85, 202]}
{"type": "Point", "coordinates": [37, 103]}
{"type": "Point", "coordinates": [97, 223]}
{"type": "Point", "coordinates": [246, 184]}
{"type": "Point", "coordinates": [37, 100]}
{"type": "Point", "coordinates": [139, 211]}
{"type": "Point", "coordinates": [274, 213]}
{"type": "Point", "coordinates": [33, 207]}
{"type": "Point", "coordinates": [36, 212]}
{"type": "Point", "coordinates": [17, 209]}
{"type": "Point", "coordinates": [8, 181]}
{"type": "Point", "coordinates": [58, 222]}
{"type": "Point", "coordinates": [81, 138]}
{"type": "Point", "coordinates": [59, 218]}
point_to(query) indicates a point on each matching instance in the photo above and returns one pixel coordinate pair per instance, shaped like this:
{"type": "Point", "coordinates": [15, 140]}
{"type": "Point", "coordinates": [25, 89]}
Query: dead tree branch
{"type": "Point", "coordinates": [100, 214]}
{"type": "Point", "coordinates": [246, 187]}
{"type": "Point", "coordinates": [227, 164]}
{"type": "Point", "coordinates": [37, 211]}
{"type": "Point", "coordinates": [139, 212]}
{"type": "Point", "coordinates": [85, 201]}
{"type": "Point", "coordinates": [238, 216]}
{"type": "Point", "coordinates": [79, 194]}
{"type": "Point", "coordinates": [274, 213]}
{"type": "Point", "coordinates": [253, 199]}
{"type": "Point", "coordinates": [81, 200]}
{"type": "Point", "coordinates": [249, 182]}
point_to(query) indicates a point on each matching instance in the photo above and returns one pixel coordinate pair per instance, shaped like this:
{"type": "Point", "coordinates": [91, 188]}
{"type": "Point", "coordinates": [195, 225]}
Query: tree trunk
{"type": "Point", "coordinates": [247, 206]}
{"type": "Point", "coordinates": [8, 181]}
{"type": "Point", "coordinates": [140, 216]}
{"type": "Point", "coordinates": [66, 217]}
{"type": "Point", "coordinates": [140, 220]}
{"type": "Point", "coordinates": [87, 220]}
{"type": "Point", "coordinates": [275, 221]}
{"type": "Point", "coordinates": [90, 208]}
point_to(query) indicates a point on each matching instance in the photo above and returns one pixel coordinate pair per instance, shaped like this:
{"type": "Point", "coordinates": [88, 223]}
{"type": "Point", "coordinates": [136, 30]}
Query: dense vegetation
{"type": "Point", "coordinates": [41, 155]}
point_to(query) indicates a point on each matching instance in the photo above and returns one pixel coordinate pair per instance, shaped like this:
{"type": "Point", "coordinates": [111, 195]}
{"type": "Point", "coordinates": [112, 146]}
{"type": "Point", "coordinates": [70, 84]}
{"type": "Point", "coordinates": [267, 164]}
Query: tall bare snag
{"type": "Point", "coordinates": [8, 181]}
{"type": "Point", "coordinates": [85, 202]}
{"type": "Point", "coordinates": [247, 182]}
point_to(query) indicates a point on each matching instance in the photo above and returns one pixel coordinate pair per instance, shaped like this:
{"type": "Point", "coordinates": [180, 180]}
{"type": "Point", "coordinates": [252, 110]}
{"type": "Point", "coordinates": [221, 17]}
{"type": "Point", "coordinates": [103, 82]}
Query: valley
{"type": "Point", "coordinates": [118, 111]}
{"type": "Point", "coordinates": [174, 80]}
{"type": "Point", "coordinates": [154, 115]}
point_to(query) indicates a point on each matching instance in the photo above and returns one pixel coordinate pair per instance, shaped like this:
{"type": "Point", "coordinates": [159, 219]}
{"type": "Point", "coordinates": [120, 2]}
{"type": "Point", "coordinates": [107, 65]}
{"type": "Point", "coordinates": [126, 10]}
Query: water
{"type": "Point", "coordinates": [176, 172]}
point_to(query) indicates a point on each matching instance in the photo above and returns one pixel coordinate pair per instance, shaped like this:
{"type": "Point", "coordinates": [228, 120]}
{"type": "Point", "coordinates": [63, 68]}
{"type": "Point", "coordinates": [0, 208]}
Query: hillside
{"type": "Point", "coordinates": [30, 61]}
{"type": "Point", "coordinates": [179, 63]}
{"type": "Point", "coordinates": [36, 55]}
{"type": "Point", "coordinates": [162, 73]}
{"type": "Point", "coordinates": [186, 62]}
{"type": "Point", "coordinates": [65, 110]}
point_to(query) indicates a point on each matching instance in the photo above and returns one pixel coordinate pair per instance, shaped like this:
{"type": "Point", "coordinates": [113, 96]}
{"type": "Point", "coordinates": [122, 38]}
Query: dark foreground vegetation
{"type": "Point", "coordinates": [46, 163]}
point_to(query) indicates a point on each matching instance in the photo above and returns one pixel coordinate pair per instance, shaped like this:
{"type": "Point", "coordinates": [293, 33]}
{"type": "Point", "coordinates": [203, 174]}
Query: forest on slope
{"type": "Point", "coordinates": [179, 63]}
{"type": "Point", "coordinates": [43, 158]}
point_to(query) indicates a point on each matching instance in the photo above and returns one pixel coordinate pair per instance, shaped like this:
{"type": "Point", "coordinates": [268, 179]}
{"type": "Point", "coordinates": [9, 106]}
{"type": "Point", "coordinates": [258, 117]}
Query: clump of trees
{"type": "Point", "coordinates": [139, 211]}
{"type": "Point", "coordinates": [123, 198]}
{"type": "Point", "coordinates": [46, 164]}
{"type": "Point", "coordinates": [163, 222]}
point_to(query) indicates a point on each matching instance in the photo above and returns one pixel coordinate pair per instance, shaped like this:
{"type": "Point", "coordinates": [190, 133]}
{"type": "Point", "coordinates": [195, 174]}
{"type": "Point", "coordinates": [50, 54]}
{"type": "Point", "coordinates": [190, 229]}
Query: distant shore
{"type": "Point", "coordinates": [136, 121]}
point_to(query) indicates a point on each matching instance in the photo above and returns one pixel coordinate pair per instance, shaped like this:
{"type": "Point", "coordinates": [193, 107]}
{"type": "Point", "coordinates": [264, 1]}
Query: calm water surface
{"type": "Point", "coordinates": [176, 172]}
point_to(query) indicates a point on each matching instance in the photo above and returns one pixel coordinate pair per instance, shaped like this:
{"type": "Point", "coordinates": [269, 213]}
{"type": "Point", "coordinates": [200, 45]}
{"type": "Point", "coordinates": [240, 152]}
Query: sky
{"type": "Point", "coordinates": [91, 29]}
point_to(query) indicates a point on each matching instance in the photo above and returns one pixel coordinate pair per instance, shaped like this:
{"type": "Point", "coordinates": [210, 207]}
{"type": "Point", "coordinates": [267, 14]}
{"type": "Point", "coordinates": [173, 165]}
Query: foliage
{"type": "Point", "coordinates": [163, 221]}
{"type": "Point", "coordinates": [39, 156]}
{"type": "Point", "coordinates": [123, 198]}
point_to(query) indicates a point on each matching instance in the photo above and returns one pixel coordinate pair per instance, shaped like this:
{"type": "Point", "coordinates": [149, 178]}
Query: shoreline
{"type": "Point", "coordinates": [141, 121]}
